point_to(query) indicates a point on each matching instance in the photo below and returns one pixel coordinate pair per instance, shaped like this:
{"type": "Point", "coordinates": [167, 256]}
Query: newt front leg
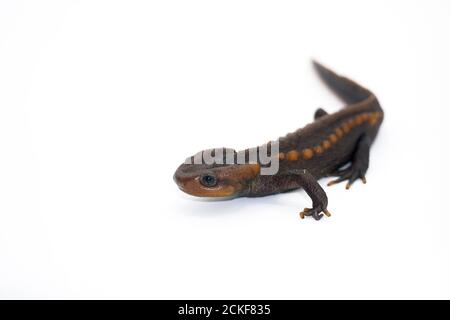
{"type": "Point", "coordinates": [315, 192]}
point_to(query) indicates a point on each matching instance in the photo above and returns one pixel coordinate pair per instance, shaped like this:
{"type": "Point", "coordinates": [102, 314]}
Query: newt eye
{"type": "Point", "coordinates": [208, 180]}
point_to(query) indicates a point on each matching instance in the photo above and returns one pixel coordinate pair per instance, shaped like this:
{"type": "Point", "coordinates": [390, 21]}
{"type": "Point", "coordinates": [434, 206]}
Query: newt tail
{"type": "Point", "coordinates": [336, 144]}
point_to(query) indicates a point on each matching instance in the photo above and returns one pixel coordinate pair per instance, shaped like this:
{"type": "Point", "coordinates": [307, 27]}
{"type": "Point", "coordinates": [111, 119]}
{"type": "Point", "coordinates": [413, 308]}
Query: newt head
{"type": "Point", "coordinates": [215, 180]}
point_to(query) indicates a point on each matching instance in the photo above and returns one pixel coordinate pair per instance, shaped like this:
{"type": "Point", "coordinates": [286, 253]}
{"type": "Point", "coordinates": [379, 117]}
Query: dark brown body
{"type": "Point", "coordinates": [319, 149]}
{"type": "Point", "coordinates": [327, 162]}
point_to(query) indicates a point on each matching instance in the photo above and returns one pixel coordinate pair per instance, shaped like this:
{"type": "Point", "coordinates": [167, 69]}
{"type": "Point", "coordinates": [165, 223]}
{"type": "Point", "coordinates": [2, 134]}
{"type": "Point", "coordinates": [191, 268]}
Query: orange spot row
{"type": "Point", "coordinates": [374, 117]}
{"type": "Point", "coordinates": [307, 153]}
{"type": "Point", "coordinates": [294, 155]}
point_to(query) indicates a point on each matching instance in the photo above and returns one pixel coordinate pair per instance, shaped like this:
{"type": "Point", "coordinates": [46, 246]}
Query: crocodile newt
{"type": "Point", "coordinates": [336, 144]}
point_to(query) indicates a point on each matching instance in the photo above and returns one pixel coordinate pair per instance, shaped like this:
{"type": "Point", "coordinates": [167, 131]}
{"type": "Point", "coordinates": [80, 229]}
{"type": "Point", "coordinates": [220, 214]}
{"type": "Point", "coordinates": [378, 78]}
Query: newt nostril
{"type": "Point", "coordinates": [175, 177]}
{"type": "Point", "coordinates": [181, 179]}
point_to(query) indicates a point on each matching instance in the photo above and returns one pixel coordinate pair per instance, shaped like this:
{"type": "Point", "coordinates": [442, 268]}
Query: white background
{"type": "Point", "coordinates": [100, 101]}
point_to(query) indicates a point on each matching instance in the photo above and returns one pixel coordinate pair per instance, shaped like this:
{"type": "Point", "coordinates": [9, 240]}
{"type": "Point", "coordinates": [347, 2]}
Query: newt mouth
{"type": "Point", "coordinates": [193, 188]}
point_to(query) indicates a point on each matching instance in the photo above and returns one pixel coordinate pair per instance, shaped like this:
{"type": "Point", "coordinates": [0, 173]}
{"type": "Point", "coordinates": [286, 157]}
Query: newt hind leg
{"type": "Point", "coordinates": [358, 166]}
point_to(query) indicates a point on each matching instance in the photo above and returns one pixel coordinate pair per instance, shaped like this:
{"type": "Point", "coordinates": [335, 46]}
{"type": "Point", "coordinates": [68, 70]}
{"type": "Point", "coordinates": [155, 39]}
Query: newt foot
{"type": "Point", "coordinates": [314, 212]}
{"type": "Point", "coordinates": [351, 174]}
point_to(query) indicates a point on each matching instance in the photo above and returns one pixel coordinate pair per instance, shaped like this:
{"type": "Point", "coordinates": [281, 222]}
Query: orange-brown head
{"type": "Point", "coordinates": [217, 181]}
